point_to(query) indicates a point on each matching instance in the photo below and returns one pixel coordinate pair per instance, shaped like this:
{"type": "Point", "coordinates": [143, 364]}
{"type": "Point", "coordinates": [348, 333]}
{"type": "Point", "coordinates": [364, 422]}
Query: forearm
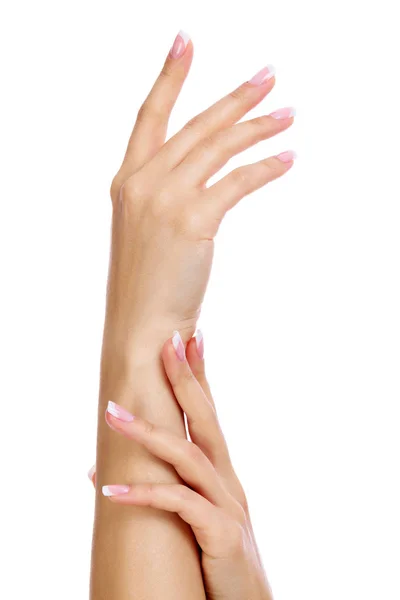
{"type": "Point", "coordinates": [139, 552]}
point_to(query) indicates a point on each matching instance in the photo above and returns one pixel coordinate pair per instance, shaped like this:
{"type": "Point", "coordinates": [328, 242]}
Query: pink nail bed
{"type": "Point", "coordinates": [200, 343]}
{"type": "Point", "coordinates": [283, 113]}
{"type": "Point", "coordinates": [115, 490]}
{"type": "Point", "coordinates": [179, 45]}
{"type": "Point", "coordinates": [287, 156]}
{"type": "Point", "coordinates": [119, 412]}
{"type": "Point", "coordinates": [262, 76]}
{"type": "Point", "coordinates": [178, 345]}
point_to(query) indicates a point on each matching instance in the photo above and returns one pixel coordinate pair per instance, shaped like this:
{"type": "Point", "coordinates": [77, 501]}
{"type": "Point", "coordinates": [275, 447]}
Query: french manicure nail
{"type": "Point", "coordinates": [179, 45]}
{"type": "Point", "coordinates": [119, 412]}
{"type": "Point", "coordinates": [262, 76]}
{"type": "Point", "coordinates": [287, 156]}
{"type": "Point", "coordinates": [115, 490]}
{"type": "Point", "coordinates": [178, 345]}
{"type": "Point", "coordinates": [91, 472]}
{"type": "Point", "coordinates": [200, 343]}
{"type": "Point", "coordinates": [284, 113]}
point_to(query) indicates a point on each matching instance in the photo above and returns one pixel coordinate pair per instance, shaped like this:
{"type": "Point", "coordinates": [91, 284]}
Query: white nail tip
{"type": "Point", "coordinates": [285, 113]}
{"type": "Point", "coordinates": [185, 36]}
{"type": "Point", "coordinates": [114, 490]}
{"type": "Point", "coordinates": [176, 339]}
{"type": "Point", "coordinates": [271, 71]}
{"type": "Point", "coordinates": [91, 472]}
{"type": "Point", "coordinates": [112, 409]}
{"type": "Point", "coordinates": [199, 337]}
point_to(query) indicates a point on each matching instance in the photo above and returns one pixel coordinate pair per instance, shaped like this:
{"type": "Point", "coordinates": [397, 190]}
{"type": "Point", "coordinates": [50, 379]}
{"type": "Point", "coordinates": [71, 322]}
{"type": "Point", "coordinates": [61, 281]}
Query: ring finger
{"type": "Point", "coordinates": [212, 153]}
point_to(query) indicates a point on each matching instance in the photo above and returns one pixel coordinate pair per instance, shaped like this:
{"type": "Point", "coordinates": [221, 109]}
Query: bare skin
{"type": "Point", "coordinates": [213, 503]}
{"type": "Point", "coordinates": [164, 221]}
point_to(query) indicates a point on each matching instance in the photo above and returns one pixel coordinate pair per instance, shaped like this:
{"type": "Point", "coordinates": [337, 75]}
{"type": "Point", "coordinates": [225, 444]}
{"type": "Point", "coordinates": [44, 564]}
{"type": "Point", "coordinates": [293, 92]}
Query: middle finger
{"type": "Point", "coordinates": [221, 114]}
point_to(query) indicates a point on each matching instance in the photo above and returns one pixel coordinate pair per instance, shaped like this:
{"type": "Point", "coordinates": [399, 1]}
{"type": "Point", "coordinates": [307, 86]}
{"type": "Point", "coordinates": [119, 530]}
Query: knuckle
{"type": "Point", "coordinates": [142, 112]}
{"type": "Point", "coordinates": [209, 142]}
{"type": "Point", "coordinates": [234, 536]}
{"type": "Point", "coordinates": [239, 94]}
{"type": "Point", "coordinates": [196, 122]}
{"type": "Point", "coordinates": [133, 187]}
{"type": "Point", "coordinates": [263, 121]}
{"type": "Point", "coordinates": [269, 169]}
{"type": "Point", "coordinates": [193, 224]}
{"type": "Point", "coordinates": [149, 491]}
{"type": "Point", "coordinates": [182, 492]}
{"type": "Point", "coordinates": [193, 452]}
{"type": "Point", "coordinates": [163, 199]}
{"type": "Point", "coordinates": [148, 427]}
{"type": "Point", "coordinates": [261, 125]}
{"type": "Point", "coordinates": [150, 110]}
{"type": "Point", "coordinates": [115, 187]}
{"type": "Point", "coordinates": [240, 178]}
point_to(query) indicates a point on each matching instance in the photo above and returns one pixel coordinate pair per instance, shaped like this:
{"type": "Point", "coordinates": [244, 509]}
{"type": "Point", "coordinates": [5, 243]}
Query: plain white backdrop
{"type": "Point", "coordinates": [301, 320]}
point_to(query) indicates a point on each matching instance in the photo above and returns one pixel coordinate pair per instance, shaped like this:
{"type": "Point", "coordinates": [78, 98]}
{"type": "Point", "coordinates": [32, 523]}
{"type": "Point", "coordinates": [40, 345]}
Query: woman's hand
{"type": "Point", "coordinates": [210, 498]}
{"type": "Point", "coordinates": [164, 217]}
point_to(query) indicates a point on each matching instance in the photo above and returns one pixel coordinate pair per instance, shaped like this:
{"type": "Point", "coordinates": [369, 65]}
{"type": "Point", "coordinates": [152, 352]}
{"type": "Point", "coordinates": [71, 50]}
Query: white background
{"type": "Point", "coordinates": [301, 320]}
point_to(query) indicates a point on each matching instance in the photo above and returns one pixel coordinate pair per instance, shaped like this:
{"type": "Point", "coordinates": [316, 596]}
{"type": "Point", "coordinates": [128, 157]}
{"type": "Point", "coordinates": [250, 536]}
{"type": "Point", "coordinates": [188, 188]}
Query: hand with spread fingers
{"type": "Point", "coordinates": [165, 217]}
{"type": "Point", "coordinates": [210, 498]}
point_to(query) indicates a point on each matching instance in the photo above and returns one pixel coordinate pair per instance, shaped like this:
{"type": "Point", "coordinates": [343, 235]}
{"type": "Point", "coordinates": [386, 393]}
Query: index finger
{"type": "Point", "coordinates": [152, 119]}
{"type": "Point", "coordinates": [203, 424]}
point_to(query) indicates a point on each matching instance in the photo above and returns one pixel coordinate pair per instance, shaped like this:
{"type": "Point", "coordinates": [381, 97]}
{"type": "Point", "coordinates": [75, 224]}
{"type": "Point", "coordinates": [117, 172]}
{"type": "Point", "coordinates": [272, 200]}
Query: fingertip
{"type": "Point", "coordinates": [169, 353]}
{"type": "Point", "coordinates": [182, 47]}
{"type": "Point", "coordinates": [195, 353]}
{"type": "Point", "coordinates": [167, 349]}
{"type": "Point", "coordinates": [200, 343]}
{"type": "Point", "coordinates": [288, 157]}
{"type": "Point", "coordinates": [92, 472]}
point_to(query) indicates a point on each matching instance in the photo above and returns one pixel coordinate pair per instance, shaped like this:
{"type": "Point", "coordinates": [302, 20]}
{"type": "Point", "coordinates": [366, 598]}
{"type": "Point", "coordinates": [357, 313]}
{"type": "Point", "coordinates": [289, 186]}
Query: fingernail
{"type": "Point", "coordinates": [284, 113]}
{"type": "Point", "coordinates": [179, 45]}
{"type": "Point", "coordinates": [91, 472]}
{"type": "Point", "coordinates": [119, 413]}
{"type": "Point", "coordinates": [287, 156]}
{"type": "Point", "coordinates": [200, 343]}
{"type": "Point", "coordinates": [178, 345]}
{"type": "Point", "coordinates": [115, 490]}
{"type": "Point", "coordinates": [262, 76]}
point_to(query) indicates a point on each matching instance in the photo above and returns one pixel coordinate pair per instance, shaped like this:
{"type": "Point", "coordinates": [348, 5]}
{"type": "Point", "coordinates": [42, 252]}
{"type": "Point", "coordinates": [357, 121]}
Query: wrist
{"type": "Point", "coordinates": [132, 373]}
{"type": "Point", "coordinates": [137, 342]}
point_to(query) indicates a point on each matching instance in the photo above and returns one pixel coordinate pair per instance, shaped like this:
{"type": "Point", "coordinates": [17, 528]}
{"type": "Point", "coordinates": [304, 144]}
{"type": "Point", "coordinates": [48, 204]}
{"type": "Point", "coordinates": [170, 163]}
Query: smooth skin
{"type": "Point", "coordinates": [164, 220]}
{"type": "Point", "coordinates": [213, 502]}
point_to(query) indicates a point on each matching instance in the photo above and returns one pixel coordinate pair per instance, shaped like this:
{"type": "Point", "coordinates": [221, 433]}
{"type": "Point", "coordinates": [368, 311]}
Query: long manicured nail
{"type": "Point", "coordinates": [200, 343]}
{"type": "Point", "coordinates": [91, 472]}
{"type": "Point", "coordinates": [284, 113]}
{"type": "Point", "coordinates": [179, 45]}
{"type": "Point", "coordinates": [262, 76]}
{"type": "Point", "coordinates": [287, 156]}
{"type": "Point", "coordinates": [178, 345]}
{"type": "Point", "coordinates": [115, 490]}
{"type": "Point", "coordinates": [119, 412]}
